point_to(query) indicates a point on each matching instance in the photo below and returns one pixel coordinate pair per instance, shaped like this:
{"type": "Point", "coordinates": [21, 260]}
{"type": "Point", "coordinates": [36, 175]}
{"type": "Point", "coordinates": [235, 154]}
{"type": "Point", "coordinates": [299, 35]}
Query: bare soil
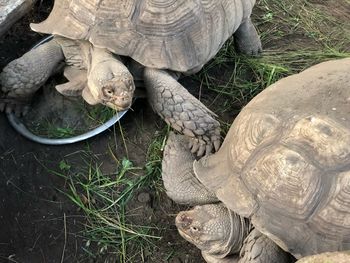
{"type": "Point", "coordinates": [37, 222]}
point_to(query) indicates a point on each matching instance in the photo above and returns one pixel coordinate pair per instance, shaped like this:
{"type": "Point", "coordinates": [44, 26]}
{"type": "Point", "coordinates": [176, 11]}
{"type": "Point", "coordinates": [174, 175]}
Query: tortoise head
{"type": "Point", "coordinates": [110, 83]}
{"type": "Point", "coordinates": [212, 228]}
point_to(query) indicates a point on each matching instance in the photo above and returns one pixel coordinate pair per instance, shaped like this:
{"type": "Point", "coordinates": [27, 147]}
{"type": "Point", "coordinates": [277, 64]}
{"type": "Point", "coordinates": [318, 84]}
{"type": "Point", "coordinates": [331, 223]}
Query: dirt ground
{"type": "Point", "coordinates": [37, 222]}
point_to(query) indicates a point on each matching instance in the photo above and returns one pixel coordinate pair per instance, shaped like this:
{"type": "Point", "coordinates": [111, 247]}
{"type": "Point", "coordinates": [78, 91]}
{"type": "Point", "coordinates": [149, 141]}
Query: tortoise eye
{"type": "Point", "coordinates": [194, 229]}
{"type": "Point", "coordinates": [109, 91]}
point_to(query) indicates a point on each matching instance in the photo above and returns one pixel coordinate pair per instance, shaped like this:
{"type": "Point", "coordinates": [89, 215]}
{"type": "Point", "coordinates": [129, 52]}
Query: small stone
{"type": "Point", "coordinates": [144, 197]}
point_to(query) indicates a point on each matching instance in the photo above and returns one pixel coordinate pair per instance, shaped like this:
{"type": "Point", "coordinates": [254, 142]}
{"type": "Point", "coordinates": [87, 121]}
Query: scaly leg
{"type": "Point", "coordinates": [258, 248]}
{"type": "Point", "coordinates": [182, 111]}
{"type": "Point", "coordinates": [22, 77]}
{"type": "Point", "coordinates": [179, 180]}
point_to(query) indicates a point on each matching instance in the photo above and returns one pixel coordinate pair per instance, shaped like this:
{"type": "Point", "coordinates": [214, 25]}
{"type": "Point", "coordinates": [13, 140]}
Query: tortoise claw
{"type": "Point", "coordinates": [209, 148]}
{"type": "Point", "coordinates": [195, 145]}
{"type": "Point", "coordinates": [2, 106]}
{"type": "Point", "coordinates": [201, 151]}
{"type": "Point", "coordinates": [203, 145]}
{"type": "Point", "coordinates": [19, 108]}
{"type": "Point", "coordinates": [216, 143]}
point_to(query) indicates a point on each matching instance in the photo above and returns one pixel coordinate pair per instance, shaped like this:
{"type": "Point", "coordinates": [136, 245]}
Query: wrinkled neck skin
{"type": "Point", "coordinates": [240, 228]}
{"type": "Point", "coordinates": [102, 55]}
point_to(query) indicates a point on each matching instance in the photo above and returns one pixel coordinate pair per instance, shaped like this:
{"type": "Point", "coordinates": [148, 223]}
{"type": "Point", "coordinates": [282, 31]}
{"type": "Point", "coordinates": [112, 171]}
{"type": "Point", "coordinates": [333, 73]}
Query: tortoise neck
{"type": "Point", "coordinates": [240, 229]}
{"type": "Point", "coordinates": [103, 55]}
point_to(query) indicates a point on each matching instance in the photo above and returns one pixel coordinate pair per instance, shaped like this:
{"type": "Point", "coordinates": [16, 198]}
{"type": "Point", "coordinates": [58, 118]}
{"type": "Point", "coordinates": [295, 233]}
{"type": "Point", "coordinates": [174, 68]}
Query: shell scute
{"type": "Point", "coordinates": [323, 139]}
{"type": "Point", "coordinates": [333, 218]}
{"type": "Point", "coordinates": [168, 18]}
{"type": "Point", "coordinates": [283, 180]}
{"type": "Point", "coordinates": [250, 131]}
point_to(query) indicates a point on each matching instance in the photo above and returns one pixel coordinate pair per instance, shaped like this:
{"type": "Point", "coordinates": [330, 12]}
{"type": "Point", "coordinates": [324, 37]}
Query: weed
{"type": "Point", "coordinates": [295, 35]}
{"type": "Point", "coordinates": [99, 113]}
{"type": "Point", "coordinates": [103, 199]}
{"type": "Point", "coordinates": [47, 128]}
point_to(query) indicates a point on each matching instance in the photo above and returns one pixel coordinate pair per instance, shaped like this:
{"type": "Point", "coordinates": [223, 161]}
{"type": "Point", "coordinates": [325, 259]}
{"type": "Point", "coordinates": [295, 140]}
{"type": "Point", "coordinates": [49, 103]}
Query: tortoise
{"type": "Point", "coordinates": [328, 257]}
{"type": "Point", "coordinates": [281, 179]}
{"type": "Point", "coordinates": [164, 37]}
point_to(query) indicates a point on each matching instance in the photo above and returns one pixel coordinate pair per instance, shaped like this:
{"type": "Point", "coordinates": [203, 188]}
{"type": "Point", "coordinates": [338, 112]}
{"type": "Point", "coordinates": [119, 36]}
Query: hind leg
{"type": "Point", "coordinates": [247, 39]}
{"type": "Point", "coordinates": [22, 77]}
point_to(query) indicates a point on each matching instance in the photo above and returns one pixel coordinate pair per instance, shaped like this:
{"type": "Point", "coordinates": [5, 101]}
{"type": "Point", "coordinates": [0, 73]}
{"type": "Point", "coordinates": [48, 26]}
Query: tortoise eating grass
{"type": "Point", "coordinates": [165, 37]}
{"type": "Point", "coordinates": [280, 181]}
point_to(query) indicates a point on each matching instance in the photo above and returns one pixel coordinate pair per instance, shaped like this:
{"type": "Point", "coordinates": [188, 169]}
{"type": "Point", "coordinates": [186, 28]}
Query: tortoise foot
{"type": "Point", "coordinates": [19, 107]}
{"type": "Point", "coordinates": [247, 39]}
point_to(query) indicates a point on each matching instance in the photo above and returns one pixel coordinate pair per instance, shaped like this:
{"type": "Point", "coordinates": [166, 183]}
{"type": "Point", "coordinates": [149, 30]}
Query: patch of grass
{"type": "Point", "coordinates": [103, 200]}
{"type": "Point", "coordinates": [303, 19]}
{"type": "Point", "coordinates": [154, 160]}
{"type": "Point", "coordinates": [56, 125]}
{"type": "Point", "coordinates": [100, 113]}
{"type": "Point", "coordinates": [295, 35]}
{"type": "Point", "coordinates": [49, 130]}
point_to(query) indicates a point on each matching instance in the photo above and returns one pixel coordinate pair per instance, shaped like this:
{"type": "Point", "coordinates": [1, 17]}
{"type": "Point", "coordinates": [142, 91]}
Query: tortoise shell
{"type": "Point", "coordinates": [179, 35]}
{"type": "Point", "coordinates": [285, 162]}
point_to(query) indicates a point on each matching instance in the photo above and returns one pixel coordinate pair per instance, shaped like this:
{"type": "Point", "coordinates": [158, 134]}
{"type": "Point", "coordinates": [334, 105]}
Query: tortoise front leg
{"type": "Point", "coordinates": [22, 77]}
{"type": "Point", "coordinates": [258, 248]}
{"type": "Point", "coordinates": [179, 180]}
{"type": "Point", "coordinates": [182, 111]}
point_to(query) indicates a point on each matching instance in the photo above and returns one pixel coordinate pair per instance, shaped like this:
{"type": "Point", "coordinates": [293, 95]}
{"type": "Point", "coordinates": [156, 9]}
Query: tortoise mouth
{"type": "Point", "coordinates": [119, 103]}
{"type": "Point", "coordinates": [185, 235]}
{"type": "Point", "coordinates": [189, 238]}
{"type": "Point", "coordinates": [118, 94]}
